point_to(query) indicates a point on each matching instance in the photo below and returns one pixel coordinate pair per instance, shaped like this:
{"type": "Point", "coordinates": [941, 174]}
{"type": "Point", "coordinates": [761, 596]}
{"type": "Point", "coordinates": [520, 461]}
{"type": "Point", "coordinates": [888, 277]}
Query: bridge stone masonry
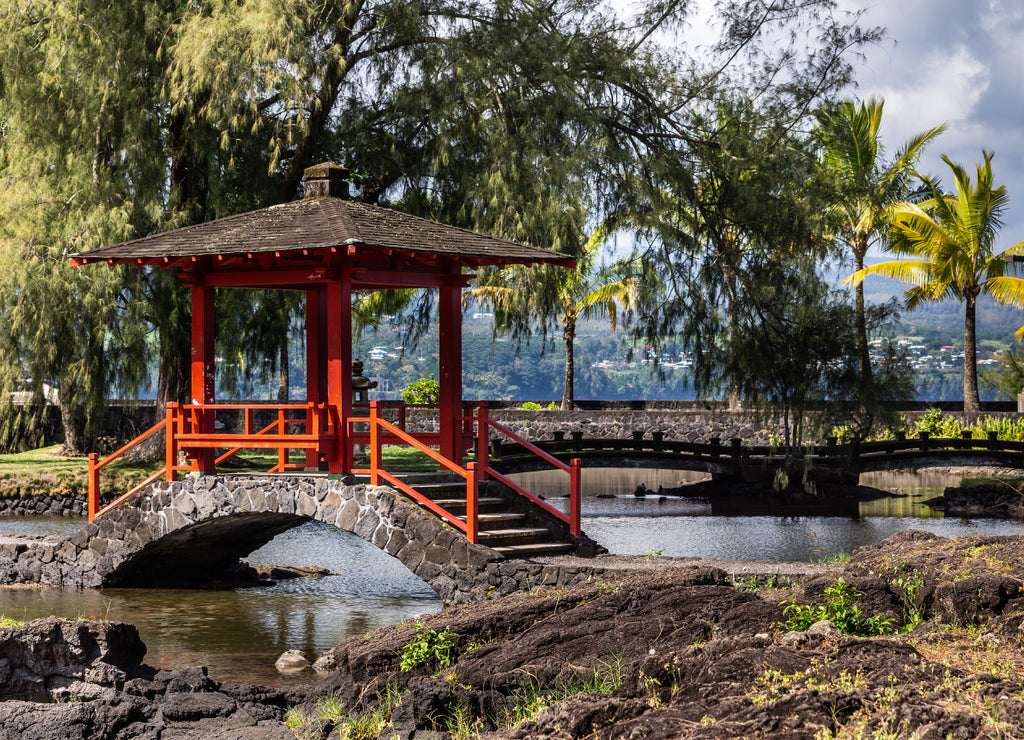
{"type": "Point", "coordinates": [195, 530]}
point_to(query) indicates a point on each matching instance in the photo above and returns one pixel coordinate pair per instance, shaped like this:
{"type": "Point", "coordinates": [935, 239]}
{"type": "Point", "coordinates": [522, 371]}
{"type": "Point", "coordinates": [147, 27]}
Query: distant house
{"type": "Point", "coordinates": [25, 395]}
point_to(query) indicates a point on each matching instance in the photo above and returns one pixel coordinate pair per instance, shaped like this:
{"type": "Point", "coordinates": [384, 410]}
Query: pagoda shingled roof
{"type": "Point", "coordinates": [323, 223]}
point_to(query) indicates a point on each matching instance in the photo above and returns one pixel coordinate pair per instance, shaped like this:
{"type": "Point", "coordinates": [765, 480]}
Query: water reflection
{"type": "Point", "coordinates": [239, 634]}
{"type": "Point", "coordinates": [758, 530]}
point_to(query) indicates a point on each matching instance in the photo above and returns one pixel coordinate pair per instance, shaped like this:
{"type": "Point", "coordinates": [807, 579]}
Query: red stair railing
{"type": "Point", "coordinates": [378, 428]}
{"type": "Point", "coordinates": [485, 424]}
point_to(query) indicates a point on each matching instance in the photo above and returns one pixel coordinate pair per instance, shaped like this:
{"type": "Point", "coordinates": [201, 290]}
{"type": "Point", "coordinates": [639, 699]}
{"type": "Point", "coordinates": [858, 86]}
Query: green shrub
{"type": "Point", "coordinates": [531, 406]}
{"type": "Point", "coordinates": [425, 391]}
{"type": "Point", "coordinates": [937, 425]}
{"type": "Point", "coordinates": [428, 645]}
{"type": "Point", "coordinates": [839, 609]}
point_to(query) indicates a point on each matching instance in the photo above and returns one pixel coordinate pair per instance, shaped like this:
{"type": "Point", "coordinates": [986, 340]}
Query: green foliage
{"type": "Point", "coordinates": [426, 391]}
{"type": "Point", "coordinates": [531, 406]}
{"type": "Point", "coordinates": [866, 184]}
{"type": "Point", "coordinates": [840, 609]}
{"type": "Point", "coordinates": [428, 646]}
{"type": "Point", "coordinates": [938, 425]}
{"type": "Point", "coordinates": [908, 585]}
{"type": "Point", "coordinates": [8, 622]}
{"type": "Point", "coordinates": [949, 241]}
{"type": "Point", "coordinates": [348, 725]}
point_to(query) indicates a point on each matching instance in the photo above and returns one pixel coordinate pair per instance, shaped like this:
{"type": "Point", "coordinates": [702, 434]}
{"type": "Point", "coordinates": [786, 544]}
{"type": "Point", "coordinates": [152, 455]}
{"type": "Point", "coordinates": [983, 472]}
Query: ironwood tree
{"type": "Point", "coordinates": [121, 119]}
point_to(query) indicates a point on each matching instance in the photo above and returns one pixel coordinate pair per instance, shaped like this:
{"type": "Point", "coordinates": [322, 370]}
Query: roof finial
{"type": "Point", "coordinates": [325, 180]}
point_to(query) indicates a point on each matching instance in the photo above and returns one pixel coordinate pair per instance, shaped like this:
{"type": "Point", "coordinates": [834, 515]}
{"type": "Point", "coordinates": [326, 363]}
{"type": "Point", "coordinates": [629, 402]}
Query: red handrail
{"type": "Point", "coordinates": [484, 424]}
{"type": "Point", "coordinates": [377, 424]}
{"type": "Point", "coordinates": [95, 465]}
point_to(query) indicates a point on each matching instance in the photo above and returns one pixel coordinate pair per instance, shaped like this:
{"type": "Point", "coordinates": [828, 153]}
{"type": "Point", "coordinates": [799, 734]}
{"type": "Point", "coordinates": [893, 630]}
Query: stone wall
{"type": "Point", "coordinates": [46, 504]}
{"type": "Point", "coordinates": [186, 531]}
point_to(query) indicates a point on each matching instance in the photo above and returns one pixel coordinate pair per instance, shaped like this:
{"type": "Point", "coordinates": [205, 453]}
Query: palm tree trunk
{"type": "Point", "coordinates": [863, 353]}
{"type": "Point", "coordinates": [568, 336]}
{"type": "Point", "coordinates": [972, 401]}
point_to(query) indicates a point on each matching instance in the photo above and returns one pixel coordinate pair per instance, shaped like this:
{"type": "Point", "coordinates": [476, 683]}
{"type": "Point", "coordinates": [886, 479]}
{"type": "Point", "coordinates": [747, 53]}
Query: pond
{"type": "Point", "coordinates": [239, 634]}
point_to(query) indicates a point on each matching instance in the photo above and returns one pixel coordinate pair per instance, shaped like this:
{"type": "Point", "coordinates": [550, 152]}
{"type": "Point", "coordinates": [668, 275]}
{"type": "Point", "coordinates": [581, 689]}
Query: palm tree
{"type": "Point", "coordinates": [853, 156]}
{"type": "Point", "coordinates": [537, 293]}
{"type": "Point", "coordinates": [953, 238]}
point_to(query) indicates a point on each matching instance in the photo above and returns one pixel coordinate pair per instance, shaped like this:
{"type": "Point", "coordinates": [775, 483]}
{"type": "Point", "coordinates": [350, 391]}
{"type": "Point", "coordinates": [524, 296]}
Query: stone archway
{"type": "Point", "coordinates": [184, 530]}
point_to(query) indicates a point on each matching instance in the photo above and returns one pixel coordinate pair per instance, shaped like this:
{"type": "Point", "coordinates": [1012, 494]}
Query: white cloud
{"type": "Point", "coordinates": [941, 87]}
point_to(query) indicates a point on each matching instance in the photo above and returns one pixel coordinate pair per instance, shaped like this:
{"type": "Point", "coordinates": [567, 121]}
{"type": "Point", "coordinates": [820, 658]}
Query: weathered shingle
{"type": "Point", "coordinates": [318, 223]}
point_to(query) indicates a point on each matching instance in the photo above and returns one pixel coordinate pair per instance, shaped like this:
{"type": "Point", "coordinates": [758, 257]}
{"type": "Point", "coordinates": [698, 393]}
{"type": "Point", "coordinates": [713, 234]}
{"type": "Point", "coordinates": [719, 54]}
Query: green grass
{"type": "Point", "coordinates": [45, 470]}
{"type": "Point", "coordinates": [8, 622]}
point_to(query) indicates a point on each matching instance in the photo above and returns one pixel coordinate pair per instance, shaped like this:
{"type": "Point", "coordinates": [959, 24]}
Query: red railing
{"type": "Point", "coordinates": [485, 424]}
{"type": "Point", "coordinates": [276, 435]}
{"type": "Point", "coordinates": [191, 428]}
{"type": "Point", "coordinates": [183, 423]}
{"type": "Point", "coordinates": [381, 430]}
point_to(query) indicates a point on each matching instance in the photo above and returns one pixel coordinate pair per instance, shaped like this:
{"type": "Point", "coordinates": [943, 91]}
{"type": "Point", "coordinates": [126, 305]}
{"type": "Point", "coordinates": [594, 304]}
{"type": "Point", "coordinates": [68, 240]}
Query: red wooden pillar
{"type": "Point", "coordinates": [339, 371]}
{"type": "Point", "coordinates": [203, 366]}
{"type": "Point", "coordinates": [450, 369]}
{"type": "Point", "coordinates": [316, 324]}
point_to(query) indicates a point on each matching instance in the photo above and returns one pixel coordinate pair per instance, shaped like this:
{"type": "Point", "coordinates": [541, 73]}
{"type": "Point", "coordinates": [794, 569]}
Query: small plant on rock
{"type": "Point", "coordinates": [428, 645]}
{"type": "Point", "coordinates": [840, 609]}
{"type": "Point", "coordinates": [908, 585]}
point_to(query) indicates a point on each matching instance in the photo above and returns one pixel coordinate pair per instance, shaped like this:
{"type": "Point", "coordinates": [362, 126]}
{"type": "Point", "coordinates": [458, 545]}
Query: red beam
{"type": "Point", "coordinates": [268, 278]}
{"type": "Point", "coordinates": [409, 277]}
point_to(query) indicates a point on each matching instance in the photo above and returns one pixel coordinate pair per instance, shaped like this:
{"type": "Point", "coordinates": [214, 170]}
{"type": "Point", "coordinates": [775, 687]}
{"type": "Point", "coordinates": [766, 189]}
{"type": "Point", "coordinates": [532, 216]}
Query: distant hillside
{"type": "Point", "coordinates": [945, 320]}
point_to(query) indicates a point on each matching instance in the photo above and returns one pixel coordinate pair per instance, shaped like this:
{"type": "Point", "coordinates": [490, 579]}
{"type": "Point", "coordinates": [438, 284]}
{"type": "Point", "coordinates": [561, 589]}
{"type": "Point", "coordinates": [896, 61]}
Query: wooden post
{"type": "Point", "coordinates": [450, 369]}
{"type": "Point", "coordinates": [483, 443]}
{"type": "Point", "coordinates": [203, 368]}
{"type": "Point", "coordinates": [472, 492]}
{"type": "Point", "coordinates": [575, 496]}
{"type": "Point", "coordinates": [314, 371]}
{"type": "Point", "coordinates": [172, 430]}
{"type": "Point", "coordinates": [374, 443]}
{"type": "Point", "coordinates": [282, 452]}
{"type": "Point", "coordinates": [94, 485]}
{"type": "Point", "coordinates": [339, 372]}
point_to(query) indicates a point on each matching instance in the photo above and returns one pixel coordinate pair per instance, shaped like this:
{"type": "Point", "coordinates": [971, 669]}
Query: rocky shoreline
{"type": "Point", "coordinates": [656, 653]}
{"type": "Point", "coordinates": [988, 500]}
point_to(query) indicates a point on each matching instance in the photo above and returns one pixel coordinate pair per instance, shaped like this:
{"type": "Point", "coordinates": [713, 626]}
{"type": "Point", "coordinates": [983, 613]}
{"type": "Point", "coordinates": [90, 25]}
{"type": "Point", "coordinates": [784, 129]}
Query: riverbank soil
{"type": "Point", "coordinates": [687, 654]}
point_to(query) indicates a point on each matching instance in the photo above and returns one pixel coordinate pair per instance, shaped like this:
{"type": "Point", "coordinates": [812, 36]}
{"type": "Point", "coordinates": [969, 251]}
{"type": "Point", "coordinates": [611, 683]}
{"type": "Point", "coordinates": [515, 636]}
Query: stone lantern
{"type": "Point", "coordinates": [361, 387]}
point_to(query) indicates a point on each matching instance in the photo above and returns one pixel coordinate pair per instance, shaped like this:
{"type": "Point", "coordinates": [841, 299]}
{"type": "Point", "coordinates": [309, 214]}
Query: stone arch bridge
{"type": "Point", "coordinates": [194, 530]}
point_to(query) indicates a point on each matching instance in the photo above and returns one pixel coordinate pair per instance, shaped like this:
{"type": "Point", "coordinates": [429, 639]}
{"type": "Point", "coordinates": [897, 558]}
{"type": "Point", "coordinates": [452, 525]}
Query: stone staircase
{"type": "Point", "coordinates": [507, 523]}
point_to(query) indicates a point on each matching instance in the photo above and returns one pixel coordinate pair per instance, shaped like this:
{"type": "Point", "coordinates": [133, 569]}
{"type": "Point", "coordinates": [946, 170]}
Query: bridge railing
{"type": "Point", "coordinates": [484, 426]}
{"type": "Point", "coordinates": [380, 431]}
{"type": "Point", "coordinates": [736, 452]}
{"type": "Point", "coordinates": [195, 429]}
{"type": "Point", "coordinates": [96, 465]}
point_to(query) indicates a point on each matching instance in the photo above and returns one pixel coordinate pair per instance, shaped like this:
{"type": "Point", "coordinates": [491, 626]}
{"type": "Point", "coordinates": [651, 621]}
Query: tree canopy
{"type": "Point", "coordinates": [525, 119]}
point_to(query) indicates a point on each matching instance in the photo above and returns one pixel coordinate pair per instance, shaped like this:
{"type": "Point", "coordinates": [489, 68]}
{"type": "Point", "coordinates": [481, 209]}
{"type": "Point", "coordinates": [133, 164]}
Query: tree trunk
{"type": "Point", "coordinates": [568, 336]}
{"type": "Point", "coordinates": [73, 424]}
{"type": "Point", "coordinates": [735, 401]}
{"type": "Point", "coordinates": [863, 353]}
{"type": "Point", "coordinates": [282, 372]}
{"type": "Point", "coordinates": [972, 401]}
